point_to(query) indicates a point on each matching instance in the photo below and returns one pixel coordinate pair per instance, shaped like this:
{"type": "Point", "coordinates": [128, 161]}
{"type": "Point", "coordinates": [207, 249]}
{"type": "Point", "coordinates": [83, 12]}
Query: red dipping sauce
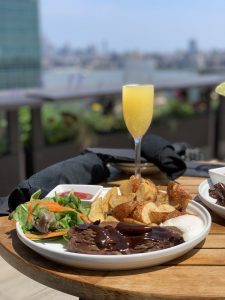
{"type": "Point", "coordinates": [82, 196]}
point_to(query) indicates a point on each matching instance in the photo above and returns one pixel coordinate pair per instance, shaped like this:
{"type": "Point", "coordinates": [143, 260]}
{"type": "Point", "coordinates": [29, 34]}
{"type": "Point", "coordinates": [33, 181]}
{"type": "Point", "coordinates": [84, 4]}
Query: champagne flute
{"type": "Point", "coordinates": [137, 113]}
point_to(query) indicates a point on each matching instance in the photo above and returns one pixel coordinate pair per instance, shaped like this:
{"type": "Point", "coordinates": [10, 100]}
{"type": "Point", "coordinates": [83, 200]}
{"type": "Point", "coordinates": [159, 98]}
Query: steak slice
{"type": "Point", "coordinates": [121, 238]}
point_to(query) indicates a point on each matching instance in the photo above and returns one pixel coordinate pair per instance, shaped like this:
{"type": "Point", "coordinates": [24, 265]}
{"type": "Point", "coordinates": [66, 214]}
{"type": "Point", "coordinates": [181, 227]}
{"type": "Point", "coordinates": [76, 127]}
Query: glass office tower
{"type": "Point", "coordinates": [19, 44]}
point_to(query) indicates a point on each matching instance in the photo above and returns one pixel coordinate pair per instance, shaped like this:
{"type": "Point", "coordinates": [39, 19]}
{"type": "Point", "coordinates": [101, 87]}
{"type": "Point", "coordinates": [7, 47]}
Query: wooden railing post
{"type": "Point", "coordinates": [37, 136]}
{"type": "Point", "coordinates": [215, 130]}
{"type": "Point", "coordinates": [15, 143]}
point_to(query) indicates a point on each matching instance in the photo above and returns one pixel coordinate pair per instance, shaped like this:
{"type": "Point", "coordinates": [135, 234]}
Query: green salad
{"type": "Point", "coordinates": [50, 217]}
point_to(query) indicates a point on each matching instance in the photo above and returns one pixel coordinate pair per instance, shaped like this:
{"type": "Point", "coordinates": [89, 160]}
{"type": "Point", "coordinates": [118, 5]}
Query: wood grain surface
{"type": "Point", "coordinates": [199, 274]}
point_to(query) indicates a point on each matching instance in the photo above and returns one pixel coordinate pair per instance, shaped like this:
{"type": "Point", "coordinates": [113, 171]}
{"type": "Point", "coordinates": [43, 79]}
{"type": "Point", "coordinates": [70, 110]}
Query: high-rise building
{"type": "Point", "coordinates": [19, 44]}
{"type": "Point", "coordinates": [192, 47]}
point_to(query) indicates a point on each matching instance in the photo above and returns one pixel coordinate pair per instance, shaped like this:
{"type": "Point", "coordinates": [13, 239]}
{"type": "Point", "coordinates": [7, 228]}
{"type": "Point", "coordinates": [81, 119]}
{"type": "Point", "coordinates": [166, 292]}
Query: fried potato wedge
{"type": "Point", "coordinates": [162, 198]}
{"type": "Point", "coordinates": [142, 212]}
{"type": "Point", "coordinates": [129, 186]}
{"type": "Point", "coordinates": [166, 207]}
{"type": "Point", "coordinates": [174, 214]}
{"type": "Point", "coordinates": [147, 191]}
{"type": "Point", "coordinates": [160, 214]}
{"type": "Point", "coordinates": [151, 190]}
{"type": "Point", "coordinates": [178, 197]}
{"type": "Point", "coordinates": [124, 210]}
{"type": "Point", "coordinates": [140, 194]}
{"type": "Point", "coordinates": [144, 189]}
{"type": "Point", "coordinates": [118, 199]}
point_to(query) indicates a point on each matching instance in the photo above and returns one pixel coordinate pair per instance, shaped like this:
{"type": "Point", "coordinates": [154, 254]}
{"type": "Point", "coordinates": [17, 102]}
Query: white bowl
{"type": "Point", "coordinates": [95, 190]}
{"type": "Point", "coordinates": [210, 202]}
{"type": "Point", "coordinates": [217, 175]}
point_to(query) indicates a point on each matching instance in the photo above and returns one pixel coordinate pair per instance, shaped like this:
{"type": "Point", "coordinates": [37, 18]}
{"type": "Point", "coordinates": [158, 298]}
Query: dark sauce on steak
{"type": "Point", "coordinates": [218, 192]}
{"type": "Point", "coordinates": [121, 238]}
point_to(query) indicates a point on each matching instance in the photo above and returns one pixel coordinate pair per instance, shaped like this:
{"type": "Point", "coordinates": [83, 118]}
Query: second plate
{"type": "Point", "coordinates": [128, 168]}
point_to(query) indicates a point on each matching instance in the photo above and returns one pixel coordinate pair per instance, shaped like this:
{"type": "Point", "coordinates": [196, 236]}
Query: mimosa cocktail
{"type": "Point", "coordinates": [137, 112]}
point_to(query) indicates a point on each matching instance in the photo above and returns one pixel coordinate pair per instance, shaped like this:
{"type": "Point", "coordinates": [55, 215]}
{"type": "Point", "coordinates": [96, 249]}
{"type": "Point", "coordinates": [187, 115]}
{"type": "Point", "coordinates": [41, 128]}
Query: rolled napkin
{"type": "Point", "coordinates": [162, 153]}
{"type": "Point", "coordinates": [86, 168]}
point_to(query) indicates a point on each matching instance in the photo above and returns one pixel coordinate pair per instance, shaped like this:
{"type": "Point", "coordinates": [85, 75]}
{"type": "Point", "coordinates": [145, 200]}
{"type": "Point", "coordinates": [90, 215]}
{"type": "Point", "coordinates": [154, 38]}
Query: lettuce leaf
{"type": "Point", "coordinates": [72, 201]}
{"type": "Point", "coordinates": [20, 214]}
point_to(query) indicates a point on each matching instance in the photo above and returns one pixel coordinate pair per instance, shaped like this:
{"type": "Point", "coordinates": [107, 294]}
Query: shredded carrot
{"type": "Point", "coordinates": [45, 235]}
{"type": "Point", "coordinates": [84, 218]}
{"type": "Point", "coordinates": [55, 207]}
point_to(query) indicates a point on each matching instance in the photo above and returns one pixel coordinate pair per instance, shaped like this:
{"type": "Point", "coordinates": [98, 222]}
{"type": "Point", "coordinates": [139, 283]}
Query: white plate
{"type": "Point", "coordinates": [55, 250]}
{"type": "Point", "coordinates": [129, 168]}
{"type": "Point", "coordinates": [210, 202]}
{"type": "Point", "coordinates": [94, 190]}
{"type": "Point", "coordinates": [217, 175]}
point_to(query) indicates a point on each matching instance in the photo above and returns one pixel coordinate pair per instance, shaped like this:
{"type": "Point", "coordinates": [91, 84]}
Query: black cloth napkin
{"type": "Point", "coordinates": [162, 153]}
{"type": "Point", "coordinates": [86, 168]}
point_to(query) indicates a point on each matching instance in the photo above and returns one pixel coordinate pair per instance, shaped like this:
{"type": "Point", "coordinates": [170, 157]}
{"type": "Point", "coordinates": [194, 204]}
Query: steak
{"type": "Point", "coordinates": [218, 192]}
{"type": "Point", "coordinates": [121, 238]}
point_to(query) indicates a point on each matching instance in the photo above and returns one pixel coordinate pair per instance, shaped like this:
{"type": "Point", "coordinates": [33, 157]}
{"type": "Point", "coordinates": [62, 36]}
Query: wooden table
{"type": "Point", "coordinates": [200, 274]}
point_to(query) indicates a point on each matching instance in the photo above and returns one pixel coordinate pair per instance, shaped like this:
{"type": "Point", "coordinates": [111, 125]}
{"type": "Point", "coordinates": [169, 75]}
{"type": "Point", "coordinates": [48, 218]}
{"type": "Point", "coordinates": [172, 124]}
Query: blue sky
{"type": "Point", "coordinates": [144, 25]}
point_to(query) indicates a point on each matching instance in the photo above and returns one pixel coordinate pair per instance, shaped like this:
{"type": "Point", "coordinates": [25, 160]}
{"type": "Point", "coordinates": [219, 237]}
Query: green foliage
{"type": "Point", "coordinates": [25, 124]}
{"type": "Point", "coordinates": [59, 124]}
{"type": "Point", "coordinates": [173, 109]}
{"type": "Point", "coordinates": [100, 123]}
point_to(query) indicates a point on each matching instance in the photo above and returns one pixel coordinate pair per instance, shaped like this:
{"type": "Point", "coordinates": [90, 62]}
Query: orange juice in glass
{"type": "Point", "coordinates": [137, 111]}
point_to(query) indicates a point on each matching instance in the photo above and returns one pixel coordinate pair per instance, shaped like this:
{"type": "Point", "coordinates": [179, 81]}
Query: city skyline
{"type": "Point", "coordinates": [116, 25]}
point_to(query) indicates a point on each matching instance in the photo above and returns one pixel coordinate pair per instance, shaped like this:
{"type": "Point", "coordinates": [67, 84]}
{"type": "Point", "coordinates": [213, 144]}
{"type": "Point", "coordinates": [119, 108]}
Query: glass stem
{"type": "Point", "coordinates": [137, 143]}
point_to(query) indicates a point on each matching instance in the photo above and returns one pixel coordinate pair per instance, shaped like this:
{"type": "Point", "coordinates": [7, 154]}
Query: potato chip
{"type": "Point", "coordinates": [111, 219]}
{"type": "Point", "coordinates": [96, 211]}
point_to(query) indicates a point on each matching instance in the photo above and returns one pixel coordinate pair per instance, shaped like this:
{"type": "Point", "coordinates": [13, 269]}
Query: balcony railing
{"type": "Point", "coordinates": [13, 163]}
